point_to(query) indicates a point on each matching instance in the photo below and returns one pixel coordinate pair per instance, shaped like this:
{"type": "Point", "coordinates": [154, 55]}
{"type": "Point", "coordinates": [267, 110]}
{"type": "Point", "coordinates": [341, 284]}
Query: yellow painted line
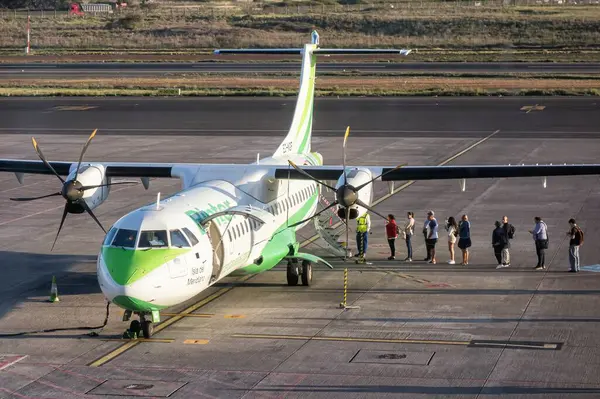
{"type": "Point", "coordinates": [111, 355]}
{"type": "Point", "coordinates": [196, 341]}
{"type": "Point", "coordinates": [234, 316]}
{"type": "Point", "coordinates": [200, 315]}
{"type": "Point", "coordinates": [157, 340]}
{"type": "Point", "coordinates": [411, 182]}
{"type": "Point", "coordinates": [74, 107]}
{"type": "Point", "coordinates": [535, 107]}
{"type": "Point", "coordinates": [352, 339]}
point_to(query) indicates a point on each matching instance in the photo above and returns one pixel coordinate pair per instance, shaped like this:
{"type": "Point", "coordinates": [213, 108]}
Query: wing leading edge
{"type": "Point", "coordinates": [113, 169]}
{"type": "Point", "coordinates": [447, 172]}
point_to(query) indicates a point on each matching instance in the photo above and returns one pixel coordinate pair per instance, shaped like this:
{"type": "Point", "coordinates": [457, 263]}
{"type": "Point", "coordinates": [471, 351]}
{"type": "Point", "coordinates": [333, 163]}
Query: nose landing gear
{"type": "Point", "coordinates": [137, 329]}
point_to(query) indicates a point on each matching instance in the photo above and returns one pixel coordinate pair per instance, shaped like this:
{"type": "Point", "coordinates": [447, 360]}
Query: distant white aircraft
{"type": "Point", "coordinates": [230, 218]}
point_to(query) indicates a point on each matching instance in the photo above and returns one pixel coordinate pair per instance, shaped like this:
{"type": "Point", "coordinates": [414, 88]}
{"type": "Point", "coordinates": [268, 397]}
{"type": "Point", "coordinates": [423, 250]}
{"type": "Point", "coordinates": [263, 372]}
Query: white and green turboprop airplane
{"type": "Point", "coordinates": [231, 219]}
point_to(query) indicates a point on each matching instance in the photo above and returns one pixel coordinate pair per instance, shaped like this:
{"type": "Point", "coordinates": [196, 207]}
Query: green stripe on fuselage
{"type": "Point", "coordinates": [137, 305]}
{"type": "Point", "coordinates": [279, 245]}
{"type": "Point", "coordinates": [127, 265]}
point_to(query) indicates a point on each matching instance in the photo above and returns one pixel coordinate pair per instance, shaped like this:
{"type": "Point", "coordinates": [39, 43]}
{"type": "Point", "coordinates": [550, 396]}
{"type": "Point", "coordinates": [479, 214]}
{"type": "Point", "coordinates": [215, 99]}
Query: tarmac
{"type": "Point", "coordinates": [124, 69]}
{"type": "Point", "coordinates": [419, 330]}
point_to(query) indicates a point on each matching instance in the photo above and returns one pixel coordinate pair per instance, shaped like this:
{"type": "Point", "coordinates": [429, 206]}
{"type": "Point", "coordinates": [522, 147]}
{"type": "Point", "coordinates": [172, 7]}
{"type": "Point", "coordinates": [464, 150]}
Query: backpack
{"type": "Point", "coordinates": [511, 232]}
{"type": "Point", "coordinates": [578, 230]}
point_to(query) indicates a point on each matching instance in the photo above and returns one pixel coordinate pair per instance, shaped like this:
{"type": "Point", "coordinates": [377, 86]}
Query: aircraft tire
{"type": "Point", "coordinates": [147, 329]}
{"type": "Point", "coordinates": [306, 273]}
{"type": "Point", "coordinates": [292, 273]}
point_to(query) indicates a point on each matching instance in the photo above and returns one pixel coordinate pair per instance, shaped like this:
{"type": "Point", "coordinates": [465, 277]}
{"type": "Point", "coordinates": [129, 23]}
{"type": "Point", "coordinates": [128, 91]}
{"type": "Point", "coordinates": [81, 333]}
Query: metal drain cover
{"type": "Point", "coordinates": [130, 388]}
{"type": "Point", "coordinates": [392, 357]}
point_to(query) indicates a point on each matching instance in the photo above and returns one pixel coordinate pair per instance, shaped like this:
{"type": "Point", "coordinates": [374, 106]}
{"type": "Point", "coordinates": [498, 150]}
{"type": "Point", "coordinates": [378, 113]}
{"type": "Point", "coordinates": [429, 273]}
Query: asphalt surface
{"type": "Point", "coordinates": [270, 117]}
{"type": "Point", "coordinates": [12, 71]}
{"type": "Point", "coordinates": [420, 330]}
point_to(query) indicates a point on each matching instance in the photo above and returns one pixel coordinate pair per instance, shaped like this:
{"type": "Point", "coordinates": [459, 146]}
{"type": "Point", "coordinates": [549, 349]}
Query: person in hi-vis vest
{"type": "Point", "coordinates": [363, 228]}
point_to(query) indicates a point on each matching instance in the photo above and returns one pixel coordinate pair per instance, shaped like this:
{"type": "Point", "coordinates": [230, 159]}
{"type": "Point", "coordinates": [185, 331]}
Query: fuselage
{"type": "Point", "coordinates": [169, 251]}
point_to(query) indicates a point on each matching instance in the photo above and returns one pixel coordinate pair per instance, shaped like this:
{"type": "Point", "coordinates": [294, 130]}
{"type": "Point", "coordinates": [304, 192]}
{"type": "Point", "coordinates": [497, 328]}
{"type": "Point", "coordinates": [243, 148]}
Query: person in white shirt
{"type": "Point", "coordinates": [407, 233]}
{"type": "Point", "coordinates": [452, 229]}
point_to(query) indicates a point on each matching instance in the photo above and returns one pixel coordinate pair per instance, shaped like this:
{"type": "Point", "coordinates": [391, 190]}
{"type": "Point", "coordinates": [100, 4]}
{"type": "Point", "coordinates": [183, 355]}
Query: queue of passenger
{"type": "Point", "coordinates": [459, 233]}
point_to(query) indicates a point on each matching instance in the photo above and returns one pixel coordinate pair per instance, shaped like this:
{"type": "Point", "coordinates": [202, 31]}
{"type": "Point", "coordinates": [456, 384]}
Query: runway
{"type": "Point", "coordinates": [515, 117]}
{"type": "Point", "coordinates": [419, 330]}
{"type": "Point", "coordinates": [58, 70]}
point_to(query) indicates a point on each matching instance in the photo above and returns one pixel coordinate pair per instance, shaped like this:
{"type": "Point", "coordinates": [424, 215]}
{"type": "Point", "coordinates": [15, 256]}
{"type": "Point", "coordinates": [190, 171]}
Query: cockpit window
{"type": "Point", "coordinates": [191, 236]}
{"type": "Point", "coordinates": [178, 239]}
{"type": "Point", "coordinates": [109, 236]}
{"type": "Point", "coordinates": [153, 239]}
{"type": "Point", "coordinates": [125, 238]}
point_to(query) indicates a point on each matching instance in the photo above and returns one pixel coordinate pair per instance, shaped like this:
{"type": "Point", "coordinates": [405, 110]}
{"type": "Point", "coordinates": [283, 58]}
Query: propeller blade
{"type": "Point", "coordinates": [344, 153]}
{"type": "Point", "coordinates": [315, 215]}
{"type": "Point", "coordinates": [106, 185]}
{"type": "Point", "coordinates": [381, 175]}
{"type": "Point", "coordinates": [367, 207]}
{"type": "Point", "coordinates": [347, 232]}
{"type": "Point", "coordinates": [85, 147]}
{"type": "Point", "coordinates": [35, 198]}
{"type": "Point", "coordinates": [304, 173]}
{"type": "Point", "coordinates": [38, 150]}
{"type": "Point", "coordinates": [88, 210]}
{"type": "Point", "coordinates": [62, 221]}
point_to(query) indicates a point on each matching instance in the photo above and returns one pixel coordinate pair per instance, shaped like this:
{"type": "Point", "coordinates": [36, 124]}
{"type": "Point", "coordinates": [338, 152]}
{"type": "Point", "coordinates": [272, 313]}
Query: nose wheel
{"type": "Point", "coordinates": [139, 328]}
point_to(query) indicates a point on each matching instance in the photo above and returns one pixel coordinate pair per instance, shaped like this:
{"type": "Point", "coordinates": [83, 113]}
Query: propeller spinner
{"type": "Point", "coordinates": [72, 190]}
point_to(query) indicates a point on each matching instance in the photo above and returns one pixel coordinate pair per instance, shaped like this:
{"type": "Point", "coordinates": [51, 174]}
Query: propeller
{"type": "Point", "coordinates": [346, 195]}
{"type": "Point", "coordinates": [72, 190]}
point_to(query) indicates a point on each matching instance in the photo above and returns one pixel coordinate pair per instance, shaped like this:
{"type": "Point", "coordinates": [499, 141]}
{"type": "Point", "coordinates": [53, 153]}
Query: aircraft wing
{"type": "Point", "coordinates": [444, 172]}
{"type": "Point", "coordinates": [113, 169]}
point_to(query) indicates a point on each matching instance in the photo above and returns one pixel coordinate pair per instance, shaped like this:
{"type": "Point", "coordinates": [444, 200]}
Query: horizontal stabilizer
{"type": "Point", "coordinates": [322, 51]}
{"type": "Point", "coordinates": [357, 51]}
{"type": "Point", "coordinates": [259, 51]}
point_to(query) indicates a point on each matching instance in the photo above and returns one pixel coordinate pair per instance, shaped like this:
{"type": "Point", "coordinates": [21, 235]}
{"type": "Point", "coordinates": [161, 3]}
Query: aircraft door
{"type": "Point", "coordinates": [216, 241]}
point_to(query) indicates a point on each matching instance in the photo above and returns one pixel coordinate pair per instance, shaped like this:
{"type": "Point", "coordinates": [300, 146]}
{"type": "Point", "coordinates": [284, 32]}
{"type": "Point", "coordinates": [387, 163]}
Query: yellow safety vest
{"type": "Point", "coordinates": [362, 224]}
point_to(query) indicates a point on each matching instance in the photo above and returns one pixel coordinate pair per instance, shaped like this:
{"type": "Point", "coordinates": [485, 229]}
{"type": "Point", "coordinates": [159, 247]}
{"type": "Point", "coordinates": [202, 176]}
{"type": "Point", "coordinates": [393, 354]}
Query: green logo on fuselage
{"type": "Point", "coordinates": [199, 215]}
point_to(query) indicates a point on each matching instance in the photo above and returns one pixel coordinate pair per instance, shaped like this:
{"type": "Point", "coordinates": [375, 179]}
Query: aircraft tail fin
{"type": "Point", "coordinates": [298, 139]}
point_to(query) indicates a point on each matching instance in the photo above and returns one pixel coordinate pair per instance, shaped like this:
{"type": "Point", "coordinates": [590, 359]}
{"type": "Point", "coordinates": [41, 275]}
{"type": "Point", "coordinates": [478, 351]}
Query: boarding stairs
{"type": "Point", "coordinates": [333, 236]}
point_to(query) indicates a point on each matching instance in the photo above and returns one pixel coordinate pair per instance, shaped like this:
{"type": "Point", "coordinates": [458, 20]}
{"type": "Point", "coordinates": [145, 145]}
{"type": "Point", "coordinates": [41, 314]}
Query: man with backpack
{"type": "Point", "coordinates": [576, 241]}
{"type": "Point", "coordinates": [509, 233]}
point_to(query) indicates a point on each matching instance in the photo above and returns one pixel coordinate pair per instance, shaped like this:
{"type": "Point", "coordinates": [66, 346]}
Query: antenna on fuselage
{"type": "Point", "coordinates": [258, 158]}
{"type": "Point", "coordinates": [158, 201]}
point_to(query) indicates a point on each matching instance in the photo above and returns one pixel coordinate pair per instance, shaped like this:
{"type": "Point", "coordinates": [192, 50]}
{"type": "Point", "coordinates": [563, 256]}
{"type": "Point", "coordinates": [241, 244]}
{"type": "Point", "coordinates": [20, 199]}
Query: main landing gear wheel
{"type": "Point", "coordinates": [292, 273]}
{"type": "Point", "coordinates": [147, 328]}
{"type": "Point", "coordinates": [306, 273]}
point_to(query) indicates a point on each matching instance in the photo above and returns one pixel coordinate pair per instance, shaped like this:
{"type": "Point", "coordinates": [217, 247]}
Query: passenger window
{"type": "Point", "coordinates": [125, 238]}
{"type": "Point", "coordinates": [109, 237]}
{"type": "Point", "coordinates": [178, 239]}
{"type": "Point", "coordinates": [229, 235]}
{"type": "Point", "coordinates": [190, 236]}
{"type": "Point", "coordinates": [153, 239]}
{"type": "Point", "coordinates": [237, 229]}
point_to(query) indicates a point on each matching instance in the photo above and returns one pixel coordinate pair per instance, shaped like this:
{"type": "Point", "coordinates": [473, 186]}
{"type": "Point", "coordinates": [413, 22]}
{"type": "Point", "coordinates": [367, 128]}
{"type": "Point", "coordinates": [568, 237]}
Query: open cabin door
{"type": "Point", "coordinates": [263, 220]}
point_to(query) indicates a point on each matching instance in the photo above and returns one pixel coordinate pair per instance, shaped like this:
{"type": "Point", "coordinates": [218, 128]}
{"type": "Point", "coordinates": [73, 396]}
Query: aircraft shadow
{"type": "Point", "coordinates": [415, 389]}
{"type": "Point", "coordinates": [27, 277]}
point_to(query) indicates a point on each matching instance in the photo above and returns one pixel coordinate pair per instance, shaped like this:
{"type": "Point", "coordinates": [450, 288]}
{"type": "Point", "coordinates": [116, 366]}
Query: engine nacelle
{"type": "Point", "coordinates": [355, 178]}
{"type": "Point", "coordinates": [92, 175]}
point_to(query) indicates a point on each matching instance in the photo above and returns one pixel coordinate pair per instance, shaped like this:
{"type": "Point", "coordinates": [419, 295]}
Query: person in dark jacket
{"type": "Point", "coordinates": [509, 231]}
{"type": "Point", "coordinates": [499, 241]}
